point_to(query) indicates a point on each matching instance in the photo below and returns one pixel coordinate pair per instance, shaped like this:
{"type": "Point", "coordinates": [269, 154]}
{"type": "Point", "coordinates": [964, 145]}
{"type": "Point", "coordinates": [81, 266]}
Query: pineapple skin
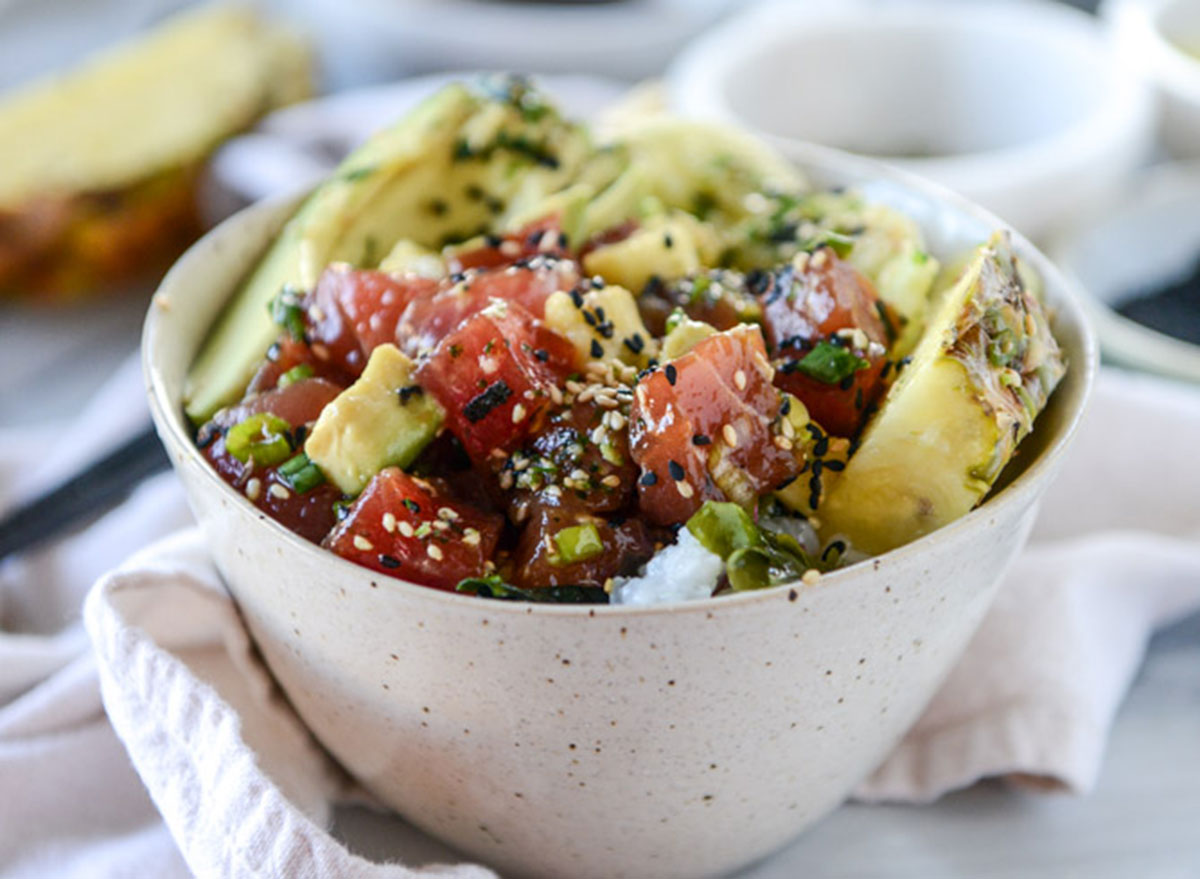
{"type": "Point", "coordinates": [978, 379]}
{"type": "Point", "coordinates": [102, 167]}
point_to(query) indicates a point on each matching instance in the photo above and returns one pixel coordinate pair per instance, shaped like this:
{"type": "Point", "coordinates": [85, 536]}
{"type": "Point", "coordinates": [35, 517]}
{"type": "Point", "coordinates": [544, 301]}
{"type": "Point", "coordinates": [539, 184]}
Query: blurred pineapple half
{"type": "Point", "coordinates": [99, 167]}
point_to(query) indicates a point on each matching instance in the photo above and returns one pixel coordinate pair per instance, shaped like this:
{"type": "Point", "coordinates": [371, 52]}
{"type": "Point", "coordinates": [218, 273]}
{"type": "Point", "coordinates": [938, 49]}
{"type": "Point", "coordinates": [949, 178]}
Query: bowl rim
{"type": "Point", "coordinates": [697, 77]}
{"type": "Point", "coordinates": [1066, 299]}
{"type": "Point", "coordinates": [1123, 338]}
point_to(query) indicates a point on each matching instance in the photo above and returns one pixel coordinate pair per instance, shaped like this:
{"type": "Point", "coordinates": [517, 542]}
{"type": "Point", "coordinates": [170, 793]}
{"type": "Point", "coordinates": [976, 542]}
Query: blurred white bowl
{"type": "Point", "coordinates": [1162, 39]}
{"type": "Point", "coordinates": [1152, 238]}
{"type": "Point", "coordinates": [371, 40]}
{"type": "Point", "coordinates": [1021, 106]}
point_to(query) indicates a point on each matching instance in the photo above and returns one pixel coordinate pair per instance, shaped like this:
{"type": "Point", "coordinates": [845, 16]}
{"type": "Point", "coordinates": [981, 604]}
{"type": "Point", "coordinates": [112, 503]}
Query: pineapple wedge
{"type": "Point", "coordinates": [99, 166]}
{"type": "Point", "coordinates": [980, 375]}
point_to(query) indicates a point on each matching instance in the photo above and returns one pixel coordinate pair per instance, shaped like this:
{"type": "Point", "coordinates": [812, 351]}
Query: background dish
{"type": "Point", "coordinates": [505, 728]}
{"type": "Point", "coordinates": [1159, 221]}
{"type": "Point", "coordinates": [933, 89]}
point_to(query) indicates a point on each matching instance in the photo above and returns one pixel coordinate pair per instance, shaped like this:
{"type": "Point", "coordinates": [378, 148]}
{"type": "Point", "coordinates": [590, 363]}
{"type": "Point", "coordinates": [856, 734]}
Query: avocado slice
{"type": "Point", "coordinates": [382, 420]}
{"type": "Point", "coordinates": [452, 169]}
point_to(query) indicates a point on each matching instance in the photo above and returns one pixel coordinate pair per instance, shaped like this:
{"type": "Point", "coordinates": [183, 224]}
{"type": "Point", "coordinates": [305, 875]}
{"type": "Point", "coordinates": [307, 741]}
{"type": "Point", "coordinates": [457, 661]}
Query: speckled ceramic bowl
{"type": "Point", "coordinates": [683, 740]}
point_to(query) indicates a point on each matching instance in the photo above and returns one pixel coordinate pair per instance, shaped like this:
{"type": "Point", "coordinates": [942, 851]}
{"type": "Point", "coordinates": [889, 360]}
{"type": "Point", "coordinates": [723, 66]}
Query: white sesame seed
{"type": "Point", "coordinates": [509, 248]}
{"type": "Point", "coordinates": [598, 435]}
{"type": "Point", "coordinates": [579, 475]}
{"type": "Point", "coordinates": [800, 261]}
{"type": "Point", "coordinates": [362, 543]}
{"type": "Point", "coordinates": [612, 480]}
{"type": "Point", "coordinates": [434, 552]}
{"type": "Point", "coordinates": [786, 426]}
{"type": "Point", "coordinates": [586, 394]}
{"type": "Point", "coordinates": [440, 525]}
{"type": "Point", "coordinates": [253, 489]}
{"type": "Point", "coordinates": [448, 514]}
{"type": "Point", "coordinates": [389, 523]}
{"type": "Point", "coordinates": [730, 436]}
{"type": "Point", "coordinates": [820, 258]}
{"type": "Point", "coordinates": [556, 396]}
{"type": "Point", "coordinates": [518, 413]}
{"type": "Point", "coordinates": [615, 420]}
{"type": "Point", "coordinates": [471, 537]}
{"type": "Point", "coordinates": [317, 313]}
{"type": "Point", "coordinates": [320, 351]}
{"type": "Point", "coordinates": [783, 443]}
{"type": "Point", "coordinates": [684, 488]}
{"type": "Point", "coordinates": [277, 490]}
{"type": "Point", "coordinates": [506, 480]}
{"type": "Point", "coordinates": [739, 379]}
{"type": "Point", "coordinates": [811, 576]}
{"type": "Point", "coordinates": [405, 528]}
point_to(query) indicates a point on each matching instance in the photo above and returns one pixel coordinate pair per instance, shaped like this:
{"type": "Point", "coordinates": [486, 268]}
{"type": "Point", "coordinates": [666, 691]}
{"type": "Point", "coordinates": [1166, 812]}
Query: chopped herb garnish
{"type": "Point", "coordinates": [301, 474]}
{"type": "Point", "coordinates": [261, 438]}
{"type": "Point", "coordinates": [495, 587]}
{"type": "Point", "coordinates": [830, 363]}
{"type": "Point", "coordinates": [482, 404]}
{"type": "Point", "coordinates": [295, 374]}
{"type": "Point", "coordinates": [287, 311]}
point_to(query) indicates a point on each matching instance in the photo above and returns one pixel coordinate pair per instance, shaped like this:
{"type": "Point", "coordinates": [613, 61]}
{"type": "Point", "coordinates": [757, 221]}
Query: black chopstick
{"type": "Point", "coordinates": [101, 486]}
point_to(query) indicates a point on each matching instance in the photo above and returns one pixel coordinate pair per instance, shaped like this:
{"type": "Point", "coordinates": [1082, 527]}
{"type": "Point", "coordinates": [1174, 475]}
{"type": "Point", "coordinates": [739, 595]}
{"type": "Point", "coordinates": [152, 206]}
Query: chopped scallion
{"type": "Point", "coordinates": [295, 374]}
{"type": "Point", "coordinates": [830, 363]}
{"type": "Point", "coordinates": [301, 473]}
{"type": "Point", "coordinates": [262, 438]}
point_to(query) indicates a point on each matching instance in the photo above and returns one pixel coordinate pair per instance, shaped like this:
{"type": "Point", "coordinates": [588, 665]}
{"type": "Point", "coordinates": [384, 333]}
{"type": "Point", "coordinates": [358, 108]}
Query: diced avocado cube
{"type": "Point", "coordinates": [382, 420]}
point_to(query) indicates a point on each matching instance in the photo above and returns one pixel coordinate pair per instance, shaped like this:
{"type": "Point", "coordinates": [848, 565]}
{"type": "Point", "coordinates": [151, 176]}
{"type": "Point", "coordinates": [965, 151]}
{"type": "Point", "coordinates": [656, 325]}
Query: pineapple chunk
{"type": "Point", "coordinates": [980, 375]}
{"type": "Point", "coordinates": [409, 258]}
{"type": "Point", "coordinates": [602, 324]}
{"type": "Point", "coordinates": [666, 247]}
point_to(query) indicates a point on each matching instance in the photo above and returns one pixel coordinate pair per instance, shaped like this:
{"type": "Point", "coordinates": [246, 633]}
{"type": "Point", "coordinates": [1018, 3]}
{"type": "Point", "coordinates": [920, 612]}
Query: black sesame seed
{"type": "Point", "coordinates": [541, 354]}
{"type": "Point", "coordinates": [668, 242]}
{"type": "Point", "coordinates": [858, 399]}
{"type": "Point", "coordinates": [634, 343]}
{"type": "Point", "coordinates": [605, 329]}
{"type": "Point", "coordinates": [846, 383]}
{"type": "Point", "coordinates": [821, 447]}
{"type": "Point", "coordinates": [589, 317]}
{"type": "Point", "coordinates": [675, 470]}
{"type": "Point", "coordinates": [887, 367]}
{"type": "Point", "coordinates": [389, 561]}
{"type": "Point", "coordinates": [835, 465]}
{"type": "Point", "coordinates": [671, 374]}
{"type": "Point", "coordinates": [577, 298]}
{"type": "Point", "coordinates": [700, 440]}
{"type": "Point", "coordinates": [649, 478]}
{"type": "Point", "coordinates": [596, 350]}
{"type": "Point", "coordinates": [407, 393]}
{"type": "Point", "coordinates": [782, 485]}
{"type": "Point", "coordinates": [600, 313]}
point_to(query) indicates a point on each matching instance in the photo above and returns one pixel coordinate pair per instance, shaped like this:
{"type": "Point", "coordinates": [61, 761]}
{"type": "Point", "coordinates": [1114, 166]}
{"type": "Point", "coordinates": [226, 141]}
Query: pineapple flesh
{"type": "Point", "coordinates": [980, 375]}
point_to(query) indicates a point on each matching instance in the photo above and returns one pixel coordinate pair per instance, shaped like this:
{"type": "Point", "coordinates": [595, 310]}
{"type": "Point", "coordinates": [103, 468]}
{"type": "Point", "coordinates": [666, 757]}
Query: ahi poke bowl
{"type": "Point", "coordinates": [586, 493]}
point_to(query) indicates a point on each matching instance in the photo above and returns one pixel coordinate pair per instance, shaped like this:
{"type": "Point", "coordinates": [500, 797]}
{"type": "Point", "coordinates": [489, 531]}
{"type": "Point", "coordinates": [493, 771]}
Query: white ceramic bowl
{"type": "Point", "coordinates": [1149, 238]}
{"type": "Point", "coordinates": [1019, 106]}
{"type": "Point", "coordinates": [680, 740]}
{"type": "Point", "coordinates": [1162, 38]}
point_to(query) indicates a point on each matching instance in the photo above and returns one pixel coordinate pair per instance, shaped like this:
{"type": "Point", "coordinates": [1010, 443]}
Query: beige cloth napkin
{"type": "Point", "coordinates": [221, 779]}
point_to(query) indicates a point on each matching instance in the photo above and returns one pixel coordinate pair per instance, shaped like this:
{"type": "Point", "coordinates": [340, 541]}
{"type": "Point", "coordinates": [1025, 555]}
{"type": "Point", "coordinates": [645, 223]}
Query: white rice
{"type": "Point", "coordinates": [684, 571]}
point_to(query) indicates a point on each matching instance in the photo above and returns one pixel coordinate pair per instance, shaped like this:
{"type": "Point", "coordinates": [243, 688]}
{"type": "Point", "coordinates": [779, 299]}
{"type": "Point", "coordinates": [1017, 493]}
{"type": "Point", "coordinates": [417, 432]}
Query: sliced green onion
{"type": "Point", "coordinates": [723, 527]}
{"type": "Point", "coordinates": [295, 374]}
{"type": "Point", "coordinates": [576, 544]}
{"type": "Point", "coordinates": [287, 311]}
{"type": "Point", "coordinates": [301, 473]}
{"type": "Point", "coordinates": [830, 363]}
{"type": "Point", "coordinates": [262, 438]}
{"type": "Point", "coordinates": [494, 586]}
